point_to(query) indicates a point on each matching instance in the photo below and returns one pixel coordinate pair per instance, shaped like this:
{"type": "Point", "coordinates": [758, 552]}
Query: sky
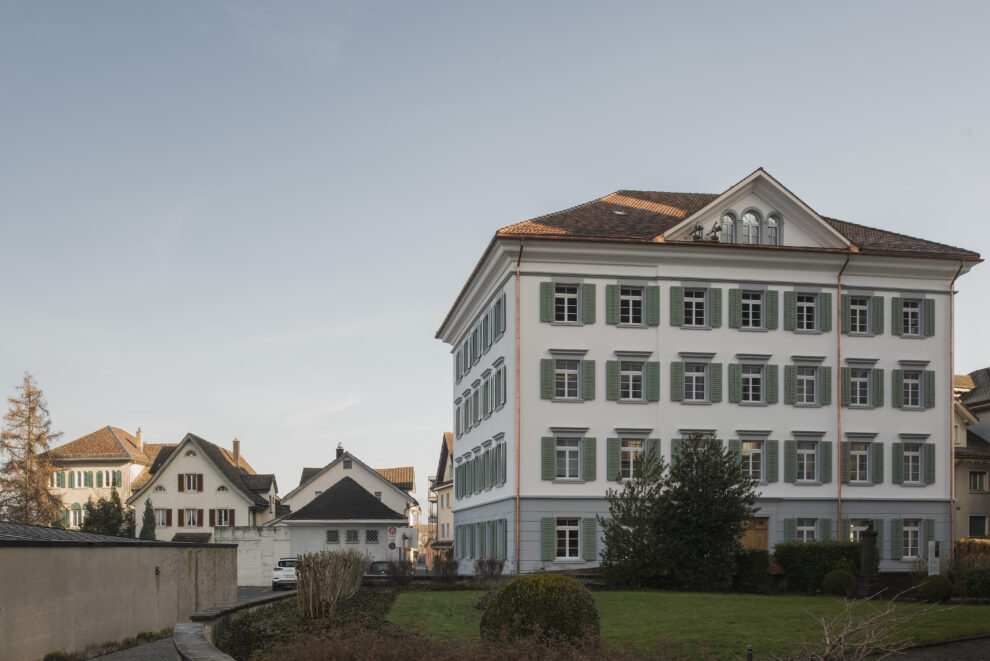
{"type": "Point", "coordinates": [248, 219]}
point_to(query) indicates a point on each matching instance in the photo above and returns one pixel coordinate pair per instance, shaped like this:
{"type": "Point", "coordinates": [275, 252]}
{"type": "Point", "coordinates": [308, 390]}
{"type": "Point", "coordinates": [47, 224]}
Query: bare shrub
{"type": "Point", "coordinates": [400, 572]}
{"type": "Point", "coordinates": [445, 568]}
{"type": "Point", "coordinates": [326, 577]}
{"type": "Point", "coordinates": [488, 571]}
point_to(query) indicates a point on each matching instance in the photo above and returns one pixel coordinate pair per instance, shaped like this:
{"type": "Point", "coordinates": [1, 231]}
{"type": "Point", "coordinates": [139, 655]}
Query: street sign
{"type": "Point", "coordinates": [391, 530]}
{"type": "Point", "coordinates": [391, 546]}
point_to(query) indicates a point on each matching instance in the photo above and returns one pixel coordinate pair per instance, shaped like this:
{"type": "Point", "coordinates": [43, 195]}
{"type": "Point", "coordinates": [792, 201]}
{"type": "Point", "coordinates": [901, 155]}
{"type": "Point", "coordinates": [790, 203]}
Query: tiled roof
{"type": "Point", "coordinates": [201, 537]}
{"type": "Point", "coordinates": [223, 460]}
{"type": "Point", "coordinates": [346, 500]}
{"type": "Point", "coordinates": [152, 451]}
{"type": "Point", "coordinates": [962, 382]}
{"type": "Point", "coordinates": [979, 396]}
{"type": "Point", "coordinates": [308, 473]}
{"type": "Point", "coordinates": [259, 483]}
{"type": "Point", "coordinates": [403, 477]}
{"type": "Point", "coordinates": [644, 215]}
{"type": "Point", "coordinates": [23, 533]}
{"type": "Point", "coordinates": [976, 447]}
{"type": "Point", "coordinates": [106, 442]}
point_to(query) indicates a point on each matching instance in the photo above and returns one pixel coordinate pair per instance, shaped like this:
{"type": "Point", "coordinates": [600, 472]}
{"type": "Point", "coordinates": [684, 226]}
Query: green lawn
{"type": "Point", "coordinates": [723, 623]}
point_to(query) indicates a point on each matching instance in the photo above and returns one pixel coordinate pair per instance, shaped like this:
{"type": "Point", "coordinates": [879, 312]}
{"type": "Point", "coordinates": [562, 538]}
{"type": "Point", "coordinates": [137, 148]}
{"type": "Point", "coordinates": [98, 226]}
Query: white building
{"type": "Point", "coordinates": [817, 347]}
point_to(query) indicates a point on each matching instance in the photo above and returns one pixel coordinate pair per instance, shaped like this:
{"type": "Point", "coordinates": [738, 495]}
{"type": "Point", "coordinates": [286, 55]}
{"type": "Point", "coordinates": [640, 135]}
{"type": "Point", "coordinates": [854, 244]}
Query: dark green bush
{"type": "Point", "coordinates": [752, 571]}
{"type": "Point", "coordinates": [839, 582]}
{"type": "Point", "coordinates": [550, 606]}
{"type": "Point", "coordinates": [977, 580]}
{"type": "Point", "coordinates": [806, 563]}
{"type": "Point", "coordinates": [935, 588]}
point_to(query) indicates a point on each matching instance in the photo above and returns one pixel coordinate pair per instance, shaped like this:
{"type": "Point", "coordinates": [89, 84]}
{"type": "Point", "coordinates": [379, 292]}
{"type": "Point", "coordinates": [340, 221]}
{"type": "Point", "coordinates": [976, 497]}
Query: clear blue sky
{"type": "Point", "coordinates": [249, 218]}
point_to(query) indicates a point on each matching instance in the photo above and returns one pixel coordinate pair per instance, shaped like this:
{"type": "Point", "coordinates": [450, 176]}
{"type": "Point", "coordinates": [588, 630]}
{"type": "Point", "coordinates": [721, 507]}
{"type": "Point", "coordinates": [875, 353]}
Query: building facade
{"type": "Point", "coordinates": [817, 348]}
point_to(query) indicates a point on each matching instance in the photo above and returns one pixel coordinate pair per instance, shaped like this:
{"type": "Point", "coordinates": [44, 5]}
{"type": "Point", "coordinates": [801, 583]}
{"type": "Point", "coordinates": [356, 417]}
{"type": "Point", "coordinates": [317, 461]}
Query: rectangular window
{"type": "Point", "coordinates": [859, 314]}
{"type": "Point", "coordinates": [912, 389]}
{"type": "Point", "coordinates": [859, 462]}
{"type": "Point", "coordinates": [192, 517]}
{"type": "Point", "coordinates": [565, 378]}
{"type": "Point", "coordinates": [631, 453]}
{"type": "Point", "coordinates": [694, 307]}
{"type": "Point", "coordinates": [752, 309]}
{"type": "Point", "coordinates": [695, 382]}
{"type": "Point", "coordinates": [752, 384]}
{"type": "Point", "coordinates": [370, 536]}
{"type": "Point", "coordinates": [752, 459]}
{"type": "Point", "coordinates": [977, 526]}
{"type": "Point", "coordinates": [351, 536]}
{"type": "Point", "coordinates": [859, 391]}
{"type": "Point", "coordinates": [161, 517]}
{"type": "Point", "coordinates": [807, 309]}
{"type": "Point", "coordinates": [911, 316]}
{"type": "Point", "coordinates": [631, 380]}
{"type": "Point", "coordinates": [631, 305]}
{"type": "Point", "coordinates": [223, 517]}
{"type": "Point", "coordinates": [912, 463]}
{"type": "Point", "coordinates": [567, 538]}
{"type": "Point", "coordinates": [806, 530]}
{"type": "Point", "coordinates": [192, 482]}
{"type": "Point", "coordinates": [568, 457]}
{"type": "Point", "coordinates": [565, 303]}
{"type": "Point", "coordinates": [333, 537]}
{"type": "Point", "coordinates": [807, 461]}
{"type": "Point", "coordinates": [977, 481]}
{"type": "Point", "coordinates": [77, 518]}
{"type": "Point", "coordinates": [476, 403]}
{"type": "Point", "coordinates": [807, 378]}
{"type": "Point", "coordinates": [911, 532]}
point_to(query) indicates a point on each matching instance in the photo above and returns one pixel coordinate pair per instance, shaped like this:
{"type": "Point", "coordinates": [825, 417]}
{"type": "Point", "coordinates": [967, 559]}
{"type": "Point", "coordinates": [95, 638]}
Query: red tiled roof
{"type": "Point", "coordinates": [403, 477]}
{"type": "Point", "coordinates": [107, 442]}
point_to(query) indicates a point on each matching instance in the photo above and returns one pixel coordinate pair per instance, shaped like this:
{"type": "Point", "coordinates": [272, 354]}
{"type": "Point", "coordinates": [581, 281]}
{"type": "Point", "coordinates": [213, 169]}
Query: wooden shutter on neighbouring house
{"type": "Point", "coordinates": [199, 517]}
{"type": "Point", "coordinates": [897, 388]}
{"type": "Point", "coordinates": [213, 518]}
{"type": "Point", "coordinates": [182, 482]}
{"type": "Point", "coordinates": [846, 380]}
{"type": "Point", "coordinates": [653, 449]}
{"type": "Point", "coordinates": [199, 481]}
{"type": "Point", "coordinates": [675, 450]}
{"type": "Point", "coordinates": [715, 382]}
{"type": "Point", "coordinates": [896, 539]}
{"type": "Point", "coordinates": [790, 384]}
{"type": "Point", "coordinates": [790, 530]}
{"type": "Point", "coordinates": [878, 527]}
{"type": "Point", "coordinates": [772, 309]}
{"type": "Point", "coordinates": [877, 321]}
{"type": "Point", "coordinates": [929, 389]}
{"type": "Point", "coordinates": [846, 323]}
{"type": "Point", "coordinates": [929, 536]}
{"type": "Point", "coordinates": [897, 463]}
{"type": "Point", "coordinates": [773, 460]}
{"type": "Point", "coordinates": [182, 518]}
{"type": "Point", "coordinates": [896, 320]}
{"type": "Point", "coordinates": [877, 467]}
{"type": "Point", "coordinates": [877, 387]}
{"type": "Point", "coordinates": [652, 381]}
{"type": "Point", "coordinates": [844, 463]}
{"type": "Point", "coordinates": [790, 310]}
{"type": "Point", "coordinates": [168, 518]}
{"type": "Point", "coordinates": [735, 383]}
{"type": "Point", "coordinates": [676, 381]}
{"type": "Point", "coordinates": [715, 305]}
{"type": "Point", "coordinates": [772, 384]}
{"type": "Point", "coordinates": [825, 304]}
{"type": "Point", "coordinates": [929, 463]}
{"type": "Point", "coordinates": [826, 385]}
{"type": "Point", "coordinates": [735, 308]}
{"type": "Point", "coordinates": [826, 528]}
{"type": "Point", "coordinates": [826, 474]}
{"type": "Point", "coordinates": [929, 320]}
{"type": "Point", "coordinates": [587, 379]}
{"type": "Point", "coordinates": [546, 378]}
{"type": "Point", "coordinates": [790, 461]}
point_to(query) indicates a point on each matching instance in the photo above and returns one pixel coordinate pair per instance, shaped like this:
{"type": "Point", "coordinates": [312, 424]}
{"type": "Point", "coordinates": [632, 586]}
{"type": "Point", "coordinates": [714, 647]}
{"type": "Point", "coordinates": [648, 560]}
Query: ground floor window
{"type": "Point", "coordinates": [77, 517]}
{"type": "Point", "coordinates": [977, 526]}
{"type": "Point", "coordinates": [333, 537]}
{"type": "Point", "coordinates": [858, 527]}
{"type": "Point", "coordinates": [806, 530]}
{"type": "Point", "coordinates": [567, 538]}
{"type": "Point", "coordinates": [223, 517]}
{"type": "Point", "coordinates": [370, 536]}
{"type": "Point", "coordinates": [351, 536]}
{"type": "Point", "coordinates": [191, 517]}
{"type": "Point", "coordinates": [912, 529]}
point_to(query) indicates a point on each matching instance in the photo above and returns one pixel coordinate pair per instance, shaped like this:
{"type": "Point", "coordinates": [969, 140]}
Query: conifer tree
{"type": "Point", "coordinates": [148, 521]}
{"type": "Point", "coordinates": [108, 517]}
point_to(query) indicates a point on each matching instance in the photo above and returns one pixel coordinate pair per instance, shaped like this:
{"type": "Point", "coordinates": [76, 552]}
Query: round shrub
{"type": "Point", "coordinates": [552, 606]}
{"type": "Point", "coordinates": [839, 582]}
{"type": "Point", "coordinates": [935, 588]}
{"type": "Point", "coordinates": [977, 580]}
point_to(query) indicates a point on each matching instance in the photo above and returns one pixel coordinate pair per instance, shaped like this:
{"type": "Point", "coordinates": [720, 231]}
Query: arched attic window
{"type": "Point", "coordinates": [749, 228]}
{"type": "Point", "coordinates": [728, 228]}
{"type": "Point", "coordinates": [773, 230]}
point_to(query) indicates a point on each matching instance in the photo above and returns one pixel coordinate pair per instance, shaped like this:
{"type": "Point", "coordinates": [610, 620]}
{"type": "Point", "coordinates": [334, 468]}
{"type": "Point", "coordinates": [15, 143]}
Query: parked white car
{"type": "Point", "coordinates": [284, 574]}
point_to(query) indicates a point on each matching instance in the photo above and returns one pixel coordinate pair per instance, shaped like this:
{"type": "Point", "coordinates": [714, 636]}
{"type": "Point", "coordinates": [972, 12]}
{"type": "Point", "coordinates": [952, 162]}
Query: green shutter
{"type": "Point", "coordinates": [652, 382]}
{"type": "Point", "coordinates": [72, 479]}
{"type": "Point", "coordinates": [929, 536]}
{"type": "Point", "coordinates": [844, 463]}
{"type": "Point", "coordinates": [675, 449]}
{"type": "Point", "coordinates": [653, 449]}
{"type": "Point", "coordinates": [877, 387]}
{"type": "Point", "coordinates": [790, 530]}
{"type": "Point", "coordinates": [548, 538]}
{"type": "Point", "coordinates": [546, 378]}
{"type": "Point", "coordinates": [772, 383]}
{"type": "Point", "coordinates": [773, 460]}
{"type": "Point", "coordinates": [589, 538]}
{"type": "Point", "coordinates": [715, 307]}
{"type": "Point", "coordinates": [735, 383]}
{"type": "Point", "coordinates": [825, 305]}
{"type": "Point", "coordinates": [612, 380]}
{"type": "Point", "coordinates": [825, 372]}
{"type": "Point", "coordinates": [896, 316]}
{"type": "Point", "coordinates": [790, 310]}
{"type": "Point", "coordinates": [64, 514]}
{"type": "Point", "coordinates": [677, 382]}
{"type": "Point", "coordinates": [715, 382]}
{"type": "Point", "coordinates": [790, 384]}
{"type": "Point", "coordinates": [611, 304]}
{"type": "Point", "coordinates": [929, 319]}
{"type": "Point", "coordinates": [505, 474]}
{"type": "Point", "coordinates": [653, 306]}
{"type": "Point", "coordinates": [772, 309]}
{"type": "Point", "coordinates": [735, 308]}
{"type": "Point", "coordinates": [929, 389]}
{"type": "Point", "coordinates": [845, 532]}
{"type": "Point", "coordinates": [897, 463]}
{"type": "Point", "coordinates": [99, 479]}
{"type": "Point", "coordinates": [877, 320]}
{"type": "Point", "coordinates": [826, 473]}
{"type": "Point", "coordinates": [790, 461]}
{"type": "Point", "coordinates": [929, 463]}
{"type": "Point", "coordinates": [677, 306]}
{"type": "Point", "coordinates": [846, 323]}
{"type": "Point", "coordinates": [896, 539]}
{"type": "Point", "coordinates": [546, 301]}
{"type": "Point", "coordinates": [846, 382]}
{"type": "Point", "coordinates": [877, 468]}
{"type": "Point", "coordinates": [590, 459]}
{"type": "Point", "coordinates": [588, 303]}
{"type": "Point", "coordinates": [735, 447]}
{"type": "Point", "coordinates": [587, 379]}
{"type": "Point", "coordinates": [612, 458]}
{"type": "Point", "coordinates": [897, 388]}
{"type": "Point", "coordinates": [549, 467]}
{"type": "Point", "coordinates": [878, 527]}
{"type": "Point", "coordinates": [826, 528]}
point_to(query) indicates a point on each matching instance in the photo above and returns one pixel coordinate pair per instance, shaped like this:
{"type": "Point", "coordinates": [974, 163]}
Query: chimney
{"type": "Point", "coordinates": [237, 454]}
{"type": "Point", "coordinates": [340, 450]}
{"type": "Point", "coordinates": [140, 439]}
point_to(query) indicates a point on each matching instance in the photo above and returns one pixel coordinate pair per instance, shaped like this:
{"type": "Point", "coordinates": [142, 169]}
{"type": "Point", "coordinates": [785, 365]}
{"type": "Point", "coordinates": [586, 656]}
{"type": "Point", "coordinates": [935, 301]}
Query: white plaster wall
{"type": "Point", "coordinates": [311, 538]}
{"type": "Point", "coordinates": [258, 550]}
{"type": "Point", "coordinates": [128, 472]}
{"type": "Point", "coordinates": [369, 479]}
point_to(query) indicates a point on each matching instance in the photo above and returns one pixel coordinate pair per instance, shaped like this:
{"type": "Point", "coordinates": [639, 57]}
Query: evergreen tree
{"type": "Point", "coordinates": [148, 521]}
{"type": "Point", "coordinates": [108, 517]}
{"type": "Point", "coordinates": [25, 469]}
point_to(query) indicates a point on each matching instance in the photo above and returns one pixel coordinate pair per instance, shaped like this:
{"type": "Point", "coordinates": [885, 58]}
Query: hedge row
{"type": "Point", "coordinates": [806, 563]}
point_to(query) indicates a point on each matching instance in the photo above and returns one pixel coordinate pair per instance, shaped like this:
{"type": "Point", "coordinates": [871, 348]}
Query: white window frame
{"type": "Point", "coordinates": [161, 517]}
{"type": "Point", "coordinates": [632, 380]}
{"type": "Point", "coordinates": [192, 482]}
{"type": "Point", "coordinates": [806, 312]}
{"type": "Point", "coordinates": [978, 481]}
{"type": "Point", "coordinates": [567, 456]}
{"type": "Point", "coordinates": [567, 380]}
{"type": "Point", "coordinates": [752, 378]}
{"type": "Point", "coordinates": [860, 387]}
{"type": "Point", "coordinates": [752, 459]}
{"type": "Point", "coordinates": [566, 304]}
{"type": "Point", "coordinates": [728, 222]}
{"type": "Point", "coordinates": [568, 538]}
{"type": "Point", "coordinates": [808, 452]}
{"type": "Point", "coordinates": [223, 517]}
{"type": "Point", "coordinates": [695, 372]}
{"type": "Point", "coordinates": [806, 530]}
{"type": "Point", "coordinates": [860, 315]}
{"type": "Point", "coordinates": [695, 300]}
{"type": "Point", "coordinates": [914, 462]}
{"type": "Point", "coordinates": [912, 385]}
{"type": "Point", "coordinates": [632, 305]}
{"type": "Point", "coordinates": [911, 532]}
{"type": "Point", "coordinates": [749, 229]}
{"type": "Point", "coordinates": [78, 516]}
{"type": "Point", "coordinates": [752, 303]}
{"type": "Point", "coordinates": [773, 230]}
{"type": "Point", "coordinates": [912, 323]}
{"type": "Point", "coordinates": [860, 460]}
{"type": "Point", "coordinates": [630, 456]}
{"type": "Point", "coordinates": [191, 518]}
{"type": "Point", "coordinates": [801, 387]}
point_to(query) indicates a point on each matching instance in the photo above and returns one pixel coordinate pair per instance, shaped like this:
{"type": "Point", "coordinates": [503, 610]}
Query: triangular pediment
{"type": "Point", "coordinates": [759, 199]}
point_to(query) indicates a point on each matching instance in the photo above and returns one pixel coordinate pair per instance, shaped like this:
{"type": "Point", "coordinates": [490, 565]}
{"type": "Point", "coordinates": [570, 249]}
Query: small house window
{"type": "Point", "coordinates": [159, 488]}
{"type": "Point", "coordinates": [222, 488]}
{"type": "Point", "coordinates": [190, 453]}
{"type": "Point", "coordinates": [347, 464]}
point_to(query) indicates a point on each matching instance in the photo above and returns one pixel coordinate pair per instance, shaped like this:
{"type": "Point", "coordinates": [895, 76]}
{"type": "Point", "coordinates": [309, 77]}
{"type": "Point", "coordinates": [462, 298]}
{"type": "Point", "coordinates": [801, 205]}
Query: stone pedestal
{"type": "Point", "coordinates": [868, 584]}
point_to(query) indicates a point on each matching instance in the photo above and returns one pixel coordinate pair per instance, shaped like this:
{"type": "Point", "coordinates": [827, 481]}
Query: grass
{"type": "Point", "coordinates": [725, 623]}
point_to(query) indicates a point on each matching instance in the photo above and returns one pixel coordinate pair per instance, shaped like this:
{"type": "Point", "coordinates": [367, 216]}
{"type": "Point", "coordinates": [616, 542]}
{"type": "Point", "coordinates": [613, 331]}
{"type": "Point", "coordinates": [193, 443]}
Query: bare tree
{"type": "Point", "coordinates": [24, 465]}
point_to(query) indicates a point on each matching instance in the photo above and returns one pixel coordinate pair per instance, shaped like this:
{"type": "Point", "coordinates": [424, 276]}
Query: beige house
{"type": "Point", "coordinates": [971, 512]}
{"type": "Point", "coordinates": [443, 490]}
{"type": "Point", "coordinates": [196, 486]}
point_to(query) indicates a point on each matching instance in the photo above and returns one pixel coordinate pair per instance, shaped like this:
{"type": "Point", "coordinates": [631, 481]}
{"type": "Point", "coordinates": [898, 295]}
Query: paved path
{"type": "Point", "coordinates": [970, 650]}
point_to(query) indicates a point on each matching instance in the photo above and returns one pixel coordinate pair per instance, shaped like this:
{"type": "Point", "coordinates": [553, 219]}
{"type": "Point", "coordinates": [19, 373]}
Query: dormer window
{"type": "Point", "coordinates": [728, 228]}
{"type": "Point", "coordinates": [750, 228]}
{"type": "Point", "coordinates": [222, 488]}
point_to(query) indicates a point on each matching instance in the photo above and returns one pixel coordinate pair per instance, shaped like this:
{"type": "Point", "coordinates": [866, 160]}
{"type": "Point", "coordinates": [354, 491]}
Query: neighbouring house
{"type": "Point", "coordinates": [196, 486]}
{"type": "Point", "coordinates": [817, 349]}
{"type": "Point", "coordinates": [972, 454]}
{"type": "Point", "coordinates": [443, 490]}
{"type": "Point", "coordinates": [92, 465]}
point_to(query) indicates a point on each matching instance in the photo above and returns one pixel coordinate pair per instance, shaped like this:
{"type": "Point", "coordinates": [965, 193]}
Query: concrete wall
{"type": "Point", "coordinates": [70, 597]}
{"type": "Point", "coordinates": [312, 538]}
{"type": "Point", "coordinates": [258, 549]}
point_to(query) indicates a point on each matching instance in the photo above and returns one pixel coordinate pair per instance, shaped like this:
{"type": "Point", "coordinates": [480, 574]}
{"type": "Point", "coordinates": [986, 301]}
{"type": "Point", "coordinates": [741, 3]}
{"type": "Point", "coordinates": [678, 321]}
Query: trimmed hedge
{"type": "Point", "coordinates": [752, 571]}
{"type": "Point", "coordinates": [552, 606]}
{"type": "Point", "coordinates": [935, 588]}
{"type": "Point", "coordinates": [977, 581]}
{"type": "Point", "coordinates": [806, 563]}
